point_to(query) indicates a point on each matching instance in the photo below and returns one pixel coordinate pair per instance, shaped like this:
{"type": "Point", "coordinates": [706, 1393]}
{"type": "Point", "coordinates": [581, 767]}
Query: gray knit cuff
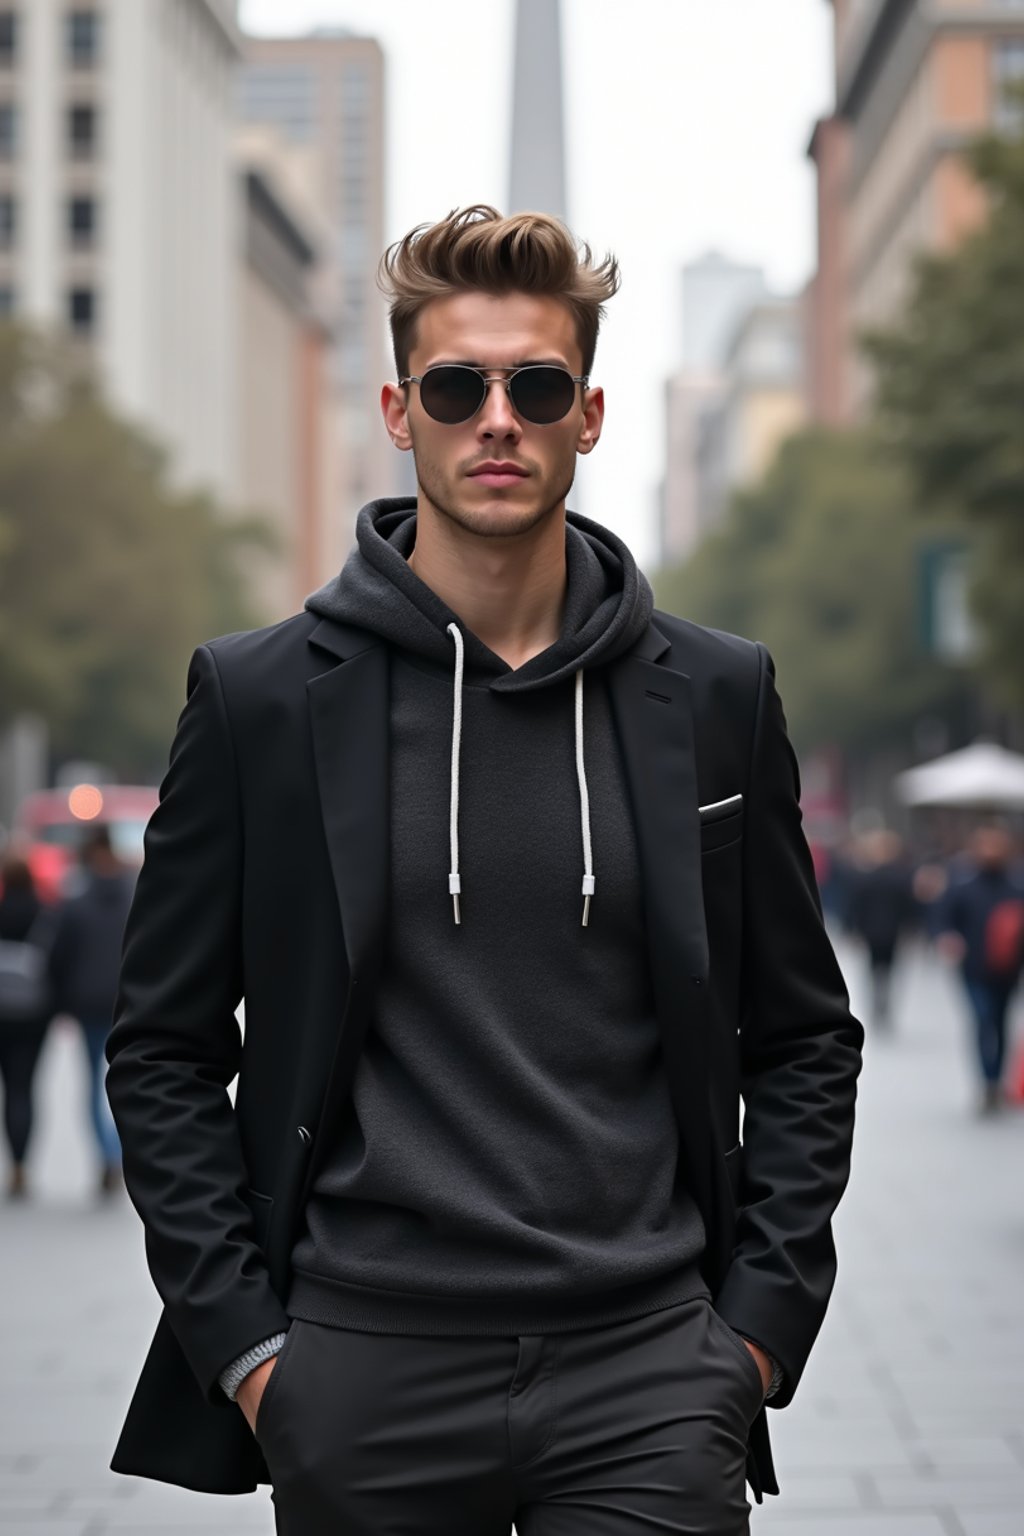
{"type": "Point", "coordinates": [231, 1378]}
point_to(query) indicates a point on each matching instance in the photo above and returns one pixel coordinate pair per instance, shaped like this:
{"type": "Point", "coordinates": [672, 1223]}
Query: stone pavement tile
{"type": "Point", "coordinates": [156, 1505]}
{"type": "Point", "coordinates": [952, 1422]}
{"type": "Point", "coordinates": [260, 1523]}
{"type": "Point", "coordinates": [845, 1452]}
{"type": "Point", "coordinates": [990, 1522]}
{"type": "Point", "coordinates": [967, 1451]}
{"type": "Point", "coordinates": [999, 1488]}
{"type": "Point", "coordinates": [45, 1527]}
{"type": "Point", "coordinates": [775, 1517]}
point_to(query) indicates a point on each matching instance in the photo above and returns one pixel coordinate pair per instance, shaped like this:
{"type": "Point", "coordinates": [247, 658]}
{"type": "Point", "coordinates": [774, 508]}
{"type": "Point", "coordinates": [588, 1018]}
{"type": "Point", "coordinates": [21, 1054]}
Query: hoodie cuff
{"type": "Point", "coordinates": [232, 1377]}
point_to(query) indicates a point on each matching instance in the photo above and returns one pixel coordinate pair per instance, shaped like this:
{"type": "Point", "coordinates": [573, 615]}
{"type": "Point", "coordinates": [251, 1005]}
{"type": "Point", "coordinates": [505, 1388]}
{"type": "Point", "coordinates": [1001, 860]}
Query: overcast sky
{"type": "Point", "coordinates": [687, 125]}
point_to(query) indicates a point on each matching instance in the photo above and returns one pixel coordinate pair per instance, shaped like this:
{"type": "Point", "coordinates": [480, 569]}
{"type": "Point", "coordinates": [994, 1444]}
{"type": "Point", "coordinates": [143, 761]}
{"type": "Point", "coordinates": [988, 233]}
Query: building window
{"type": "Point", "coordinates": [8, 37]}
{"type": "Point", "coordinates": [1008, 70]}
{"type": "Point", "coordinates": [81, 216]}
{"type": "Point", "coordinates": [83, 38]}
{"type": "Point", "coordinates": [82, 311]}
{"type": "Point", "coordinates": [282, 94]}
{"type": "Point", "coordinates": [8, 221]}
{"type": "Point", "coordinates": [6, 302]}
{"type": "Point", "coordinates": [82, 132]}
{"type": "Point", "coordinates": [8, 130]}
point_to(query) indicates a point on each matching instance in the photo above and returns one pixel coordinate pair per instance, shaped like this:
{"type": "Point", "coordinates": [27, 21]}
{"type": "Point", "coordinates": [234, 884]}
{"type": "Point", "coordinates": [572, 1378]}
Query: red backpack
{"type": "Point", "coordinates": [1004, 938]}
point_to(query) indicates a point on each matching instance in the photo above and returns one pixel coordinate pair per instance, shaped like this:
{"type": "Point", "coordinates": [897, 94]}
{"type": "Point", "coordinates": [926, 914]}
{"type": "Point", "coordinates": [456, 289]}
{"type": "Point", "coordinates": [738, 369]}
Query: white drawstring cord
{"type": "Point", "coordinates": [454, 883]}
{"type": "Point", "coordinates": [581, 774]}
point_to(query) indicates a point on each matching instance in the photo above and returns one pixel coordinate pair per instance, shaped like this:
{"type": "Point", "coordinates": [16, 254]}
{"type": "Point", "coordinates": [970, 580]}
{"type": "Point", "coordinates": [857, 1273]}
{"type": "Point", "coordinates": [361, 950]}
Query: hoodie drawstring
{"type": "Point", "coordinates": [454, 881]}
{"type": "Point", "coordinates": [581, 774]}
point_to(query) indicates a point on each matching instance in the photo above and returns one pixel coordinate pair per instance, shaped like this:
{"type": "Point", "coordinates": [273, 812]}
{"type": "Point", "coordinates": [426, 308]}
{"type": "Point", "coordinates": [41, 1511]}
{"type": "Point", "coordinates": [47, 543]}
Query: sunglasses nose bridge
{"type": "Point", "coordinates": [485, 407]}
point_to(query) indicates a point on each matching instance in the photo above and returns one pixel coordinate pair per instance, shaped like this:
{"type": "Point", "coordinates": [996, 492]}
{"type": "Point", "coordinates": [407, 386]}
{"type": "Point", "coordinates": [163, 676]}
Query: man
{"type": "Point", "coordinates": [880, 912]}
{"type": "Point", "coordinates": [981, 923]}
{"type": "Point", "coordinates": [84, 960]}
{"type": "Point", "coordinates": [510, 872]}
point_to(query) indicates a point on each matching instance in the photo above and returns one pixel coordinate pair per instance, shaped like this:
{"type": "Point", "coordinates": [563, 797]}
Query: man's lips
{"type": "Point", "coordinates": [498, 474]}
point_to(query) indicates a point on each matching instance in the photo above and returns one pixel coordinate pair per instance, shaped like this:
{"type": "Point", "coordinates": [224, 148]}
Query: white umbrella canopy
{"type": "Point", "coordinates": [983, 775]}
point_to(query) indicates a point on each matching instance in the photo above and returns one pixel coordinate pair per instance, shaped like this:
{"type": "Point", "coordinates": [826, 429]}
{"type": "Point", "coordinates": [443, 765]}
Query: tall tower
{"type": "Point", "coordinates": [537, 170]}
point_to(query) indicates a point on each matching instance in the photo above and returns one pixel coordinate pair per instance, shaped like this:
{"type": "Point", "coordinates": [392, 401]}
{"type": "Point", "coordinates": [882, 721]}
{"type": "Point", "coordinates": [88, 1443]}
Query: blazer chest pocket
{"type": "Point", "coordinates": [721, 823]}
{"type": "Point", "coordinates": [261, 1208]}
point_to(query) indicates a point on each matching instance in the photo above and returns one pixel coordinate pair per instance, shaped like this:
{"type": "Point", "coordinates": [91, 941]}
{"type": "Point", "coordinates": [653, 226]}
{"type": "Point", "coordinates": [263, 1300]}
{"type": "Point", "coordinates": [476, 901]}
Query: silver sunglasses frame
{"type": "Point", "coordinates": [492, 376]}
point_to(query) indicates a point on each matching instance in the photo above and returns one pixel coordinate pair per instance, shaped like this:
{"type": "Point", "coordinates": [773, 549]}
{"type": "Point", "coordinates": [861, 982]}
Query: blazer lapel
{"type": "Point", "coordinates": [349, 719]}
{"type": "Point", "coordinates": [654, 721]}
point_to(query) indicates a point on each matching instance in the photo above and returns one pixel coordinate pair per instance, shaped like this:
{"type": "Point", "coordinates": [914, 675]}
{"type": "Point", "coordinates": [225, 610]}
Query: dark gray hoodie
{"type": "Point", "coordinates": [509, 1161]}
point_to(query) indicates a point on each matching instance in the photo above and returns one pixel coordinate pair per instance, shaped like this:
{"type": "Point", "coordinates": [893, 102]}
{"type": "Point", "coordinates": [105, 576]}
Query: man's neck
{"type": "Point", "coordinates": [509, 592]}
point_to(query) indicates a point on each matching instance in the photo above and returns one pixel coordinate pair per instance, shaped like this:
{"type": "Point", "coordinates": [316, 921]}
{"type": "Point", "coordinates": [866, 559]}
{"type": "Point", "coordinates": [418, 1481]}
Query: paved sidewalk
{"type": "Point", "coordinates": [909, 1420]}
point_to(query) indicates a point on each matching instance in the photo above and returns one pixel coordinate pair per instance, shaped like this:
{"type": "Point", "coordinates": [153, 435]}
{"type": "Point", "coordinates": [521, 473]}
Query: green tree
{"type": "Point", "coordinates": [950, 402]}
{"type": "Point", "coordinates": [819, 561]}
{"type": "Point", "coordinates": [108, 578]}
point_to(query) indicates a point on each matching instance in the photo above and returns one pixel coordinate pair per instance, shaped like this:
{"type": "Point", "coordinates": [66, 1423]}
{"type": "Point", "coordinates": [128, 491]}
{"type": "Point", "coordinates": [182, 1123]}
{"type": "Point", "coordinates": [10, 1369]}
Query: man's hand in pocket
{"type": "Point", "coordinates": [252, 1389]}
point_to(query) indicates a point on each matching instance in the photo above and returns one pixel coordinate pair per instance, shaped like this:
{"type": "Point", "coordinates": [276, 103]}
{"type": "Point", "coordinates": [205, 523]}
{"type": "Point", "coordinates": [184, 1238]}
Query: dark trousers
{"type": "Point", "coordinates": [20, 1047]}
{"type": "Point", "coordinates": [989, 1002]}
{"type": "Point", "coordinates": [614, 1431]}
{"type": "Point", "coordinates": [108, 1142]}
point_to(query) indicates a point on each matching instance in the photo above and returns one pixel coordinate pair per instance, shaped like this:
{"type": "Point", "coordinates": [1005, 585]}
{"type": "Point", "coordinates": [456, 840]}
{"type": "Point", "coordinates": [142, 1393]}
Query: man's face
{"type": "Point", "coordinates": [451, 461]}
{"type": "Point", "coordinates": [992, 847]}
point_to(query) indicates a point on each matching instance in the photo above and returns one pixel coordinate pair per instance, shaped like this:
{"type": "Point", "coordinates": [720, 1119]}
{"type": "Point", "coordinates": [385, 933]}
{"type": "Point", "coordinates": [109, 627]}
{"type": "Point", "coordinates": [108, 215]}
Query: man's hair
{"type": "Point", "coordinates": [477, 249]}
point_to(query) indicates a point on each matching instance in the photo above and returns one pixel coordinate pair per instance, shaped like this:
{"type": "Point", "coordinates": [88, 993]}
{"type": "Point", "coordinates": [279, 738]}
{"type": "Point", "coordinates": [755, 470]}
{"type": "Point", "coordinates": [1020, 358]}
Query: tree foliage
{"type": "Point", "coordinates": [108, 577]}
{"type": "Point", "coordinates": [950, 402]}
{"type": "Point", "coordinates": [820, 561]}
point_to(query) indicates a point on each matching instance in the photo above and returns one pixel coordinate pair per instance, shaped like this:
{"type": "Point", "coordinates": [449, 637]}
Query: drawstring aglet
{"type": "Point", "coordinates": [588, 891]}
{"type": "Point", "coordinates": [454, 887]}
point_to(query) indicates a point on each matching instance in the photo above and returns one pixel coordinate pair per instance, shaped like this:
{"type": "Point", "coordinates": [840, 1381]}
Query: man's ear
{"type": "Point", "coordinates": [394, 407]}
{"type": "Point", "coordinates": [593, 419]}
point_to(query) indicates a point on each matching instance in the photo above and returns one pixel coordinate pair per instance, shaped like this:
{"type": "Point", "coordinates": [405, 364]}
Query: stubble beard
{"type": "Point", "coordinates": [482, 520]}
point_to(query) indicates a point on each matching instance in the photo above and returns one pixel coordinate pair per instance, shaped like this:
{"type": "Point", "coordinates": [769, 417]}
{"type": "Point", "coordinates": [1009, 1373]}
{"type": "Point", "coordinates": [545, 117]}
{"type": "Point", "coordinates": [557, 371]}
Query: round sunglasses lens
{"type": "Point", "coordinates": [451, 394]}
{"type": "Point", "coordinates": [542, 395]}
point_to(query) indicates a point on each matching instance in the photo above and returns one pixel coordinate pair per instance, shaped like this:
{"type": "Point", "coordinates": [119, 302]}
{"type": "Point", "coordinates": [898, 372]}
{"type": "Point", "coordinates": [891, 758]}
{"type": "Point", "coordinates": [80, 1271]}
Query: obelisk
{"type": "Point", "coordinates": [537, 169]}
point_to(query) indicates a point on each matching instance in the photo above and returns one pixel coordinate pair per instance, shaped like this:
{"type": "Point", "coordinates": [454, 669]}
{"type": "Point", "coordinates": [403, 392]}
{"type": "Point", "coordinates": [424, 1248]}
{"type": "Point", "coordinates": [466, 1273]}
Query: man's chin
{"type": "Point", "coordinates": [496, 515]}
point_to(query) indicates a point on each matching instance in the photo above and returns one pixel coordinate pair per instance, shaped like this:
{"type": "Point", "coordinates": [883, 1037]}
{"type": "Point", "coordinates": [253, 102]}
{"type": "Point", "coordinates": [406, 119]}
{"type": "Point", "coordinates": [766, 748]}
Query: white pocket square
{"type": "Point", "coordinates": [720, 808]}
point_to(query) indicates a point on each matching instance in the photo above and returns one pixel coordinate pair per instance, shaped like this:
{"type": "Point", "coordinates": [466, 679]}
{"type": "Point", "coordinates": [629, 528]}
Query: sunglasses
{"type": "Point", "coordinates": [540, 392]}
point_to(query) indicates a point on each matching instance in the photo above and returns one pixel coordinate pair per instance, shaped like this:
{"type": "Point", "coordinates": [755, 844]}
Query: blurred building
{"type": "Point", "coordinates": [118, 206]}
{"type": "Point", "coordinates": [716, 294]}
{"type": "Point", "coordinates": [691, 395]}
{"type": "Point", "coordinates": [916, 80]}
{"type": "Point", "coordinates": [763, 401]}
{"type": "Point", "coordinates": [289, 469]}
{"type": "Point", "coordinates": [325, 94]}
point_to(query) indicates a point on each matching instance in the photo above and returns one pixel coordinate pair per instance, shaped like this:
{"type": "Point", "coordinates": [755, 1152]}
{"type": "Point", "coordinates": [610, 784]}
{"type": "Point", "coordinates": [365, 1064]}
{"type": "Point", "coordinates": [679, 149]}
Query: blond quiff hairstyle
{"type": "Point", "coordinates": [477, 249]}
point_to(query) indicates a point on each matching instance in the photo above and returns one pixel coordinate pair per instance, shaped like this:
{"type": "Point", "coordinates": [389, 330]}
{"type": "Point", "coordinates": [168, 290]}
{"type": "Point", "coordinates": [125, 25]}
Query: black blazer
{"type": "Point", "coordinates": [265, 876]}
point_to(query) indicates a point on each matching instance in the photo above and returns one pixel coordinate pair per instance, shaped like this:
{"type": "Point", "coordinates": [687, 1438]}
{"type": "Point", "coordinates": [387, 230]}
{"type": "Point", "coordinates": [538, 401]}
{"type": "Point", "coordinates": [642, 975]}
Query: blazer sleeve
{"type": "Point", "coordinates": [800, 1057]}
{"type": "Point", "coordinates": [175, 1046]}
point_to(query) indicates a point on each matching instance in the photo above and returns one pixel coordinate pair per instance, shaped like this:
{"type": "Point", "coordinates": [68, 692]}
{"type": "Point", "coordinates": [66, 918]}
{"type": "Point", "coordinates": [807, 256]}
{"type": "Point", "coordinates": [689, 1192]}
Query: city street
{"type": "Point", "coordinates": [909, 1420]}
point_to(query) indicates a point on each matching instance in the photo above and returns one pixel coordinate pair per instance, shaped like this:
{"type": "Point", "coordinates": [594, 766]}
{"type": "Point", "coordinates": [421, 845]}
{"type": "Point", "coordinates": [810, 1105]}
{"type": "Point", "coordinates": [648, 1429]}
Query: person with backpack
{"type": "Point", "coordinates": [982, 929]}
{"type": "Point", "coordinates": [24, 1010]}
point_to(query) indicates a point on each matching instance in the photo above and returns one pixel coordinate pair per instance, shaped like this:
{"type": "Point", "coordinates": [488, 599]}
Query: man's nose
{"type": "Point", "coordinates": [496, 417]}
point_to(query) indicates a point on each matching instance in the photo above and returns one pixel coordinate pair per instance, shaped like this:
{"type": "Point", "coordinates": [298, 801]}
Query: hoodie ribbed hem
{"type": "Point", "coordinates": [335, 1304]}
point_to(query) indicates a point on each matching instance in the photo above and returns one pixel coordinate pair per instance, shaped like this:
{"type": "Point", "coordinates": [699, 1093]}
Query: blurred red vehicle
{"type": "Point", "coordinates": [49, 827]}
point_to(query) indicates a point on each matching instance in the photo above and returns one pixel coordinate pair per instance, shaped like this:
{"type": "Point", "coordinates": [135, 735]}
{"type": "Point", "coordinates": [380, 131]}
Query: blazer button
{"type": "Point", "coordinates": [304, 1135]}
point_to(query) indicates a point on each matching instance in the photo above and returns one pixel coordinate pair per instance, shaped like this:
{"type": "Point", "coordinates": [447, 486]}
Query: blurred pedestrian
{"type": "Point", "coordinates": [24, 1018]}
{"type": "Point", "coordinates": [84, 964]}
{"type": "Point", "coordinates": [982, 930]}
{"type": "Point", "coordinates": [881, 910]}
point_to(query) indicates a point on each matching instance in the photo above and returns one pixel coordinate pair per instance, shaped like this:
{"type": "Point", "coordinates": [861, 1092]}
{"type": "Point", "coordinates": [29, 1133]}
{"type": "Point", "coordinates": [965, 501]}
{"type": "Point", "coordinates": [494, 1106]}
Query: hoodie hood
{"type": "Point", "coordinates": [607, 608]}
